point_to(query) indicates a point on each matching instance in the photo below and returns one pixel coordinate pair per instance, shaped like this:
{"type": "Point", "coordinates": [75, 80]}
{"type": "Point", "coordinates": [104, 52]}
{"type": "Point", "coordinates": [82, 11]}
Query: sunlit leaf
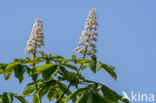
{"type": "Point", "coordinates": [44, 67]}
{"type": "Point", "coordinates": [29, 90]}
{"type": "Point", "coordinates": [36, 99]}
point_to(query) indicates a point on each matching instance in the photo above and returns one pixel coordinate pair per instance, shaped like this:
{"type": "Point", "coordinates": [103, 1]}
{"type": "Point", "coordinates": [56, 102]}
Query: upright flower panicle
{"type": "Point", "coordinates": [36, 39]}
{"type": "Point", "coordinates": [89, 34]}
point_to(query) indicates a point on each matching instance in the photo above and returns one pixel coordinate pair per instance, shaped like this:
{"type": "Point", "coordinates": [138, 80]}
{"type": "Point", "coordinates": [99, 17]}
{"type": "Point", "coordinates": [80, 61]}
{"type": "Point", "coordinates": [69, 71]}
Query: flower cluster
{"type": "Point", "coordinates": [36, 39]}
{"type": "Point", "coordinates": [89, 34]}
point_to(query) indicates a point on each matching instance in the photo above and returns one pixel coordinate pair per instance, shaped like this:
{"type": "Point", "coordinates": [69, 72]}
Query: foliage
{"type": "Point", "coordinates": [55, 72]}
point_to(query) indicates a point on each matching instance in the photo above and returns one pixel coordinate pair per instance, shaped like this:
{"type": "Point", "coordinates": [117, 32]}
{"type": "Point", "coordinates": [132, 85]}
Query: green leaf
{"type": "Point", "coordinates": [98, 98]}
{"type": "Point", "coordinates": [84, 98]}
{"type": "Point", "coordinates": [49, 72]}
{"type": "Point", "coordinates": [52, 94]}
{"type": "Point", "coordinates": [33, 83]}
{"type": "Point", "coordinates": [110, 70]}
{"type": "Point", "coordinates": [71, 66]}
{"type": "Point", "coordinates": [6, 98]}
{"type": "Point", "coordinates": [1, 71]}
{"type": "Point", "coordinates": [0, 99]}
{"type": "Point", "coordinates": [29, 90]}
{"type": "Point", "coordinates": [93, 67]}
{"type": "Point", "coordinates": [46, 86]}
{"type": "Point", "coordinates": [42, 68]}
{"type": "Point", "coordinates": [85, 61]}
{"type": "Point", "coordinates": [84, 67]}
{"type": "Point", "coordinates": [9, 70]}
{"type": "Point", "coordinates": [19, 71]}
{"type": "Point", "coordinates": [34, 76]}
{"type": "Point", "coordinates": [30, 61]}
{"type": "Point", "coordinates": [93, 57]}
{"type": "Point", "coordinates": [2, 67]}
{"type": "Point", "coordinates": [78, 92]}
{"type": "Point", "coordinates": [92, 97]}
{"type": "Point", "coordinates": [36, 99]}
{"type": "Point", "coordinates": [80, 76]}
{"type": "Point", "coordinates": [63, 87]}
{"type": "Point", "coordinates": [98, 66]}
{"type": "Point", "coordinates": [66, 74]}
{"type": "Point", "coordinates": [20, 98]}
{"type": "Point", "coordinates": [110, 94]}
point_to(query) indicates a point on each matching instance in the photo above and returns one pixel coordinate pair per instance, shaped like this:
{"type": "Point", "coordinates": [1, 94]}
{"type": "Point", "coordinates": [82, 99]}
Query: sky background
{"type": "Point", "coordinates": [127, 37]}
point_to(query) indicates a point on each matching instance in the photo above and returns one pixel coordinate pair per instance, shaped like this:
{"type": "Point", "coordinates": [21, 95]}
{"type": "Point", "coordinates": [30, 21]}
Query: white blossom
{"type": "Point", "coordinates": [88, 38]}
{"type": "Point", "coordinates": [84, 32]}
{"type": "Point", "coordinates": [36, 39]}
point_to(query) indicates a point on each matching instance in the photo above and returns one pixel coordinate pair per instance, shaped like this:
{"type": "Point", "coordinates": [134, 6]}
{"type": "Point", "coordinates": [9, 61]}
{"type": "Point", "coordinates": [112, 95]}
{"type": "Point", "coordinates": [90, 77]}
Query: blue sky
{"type": "Point", "coordinates": [127, 33]}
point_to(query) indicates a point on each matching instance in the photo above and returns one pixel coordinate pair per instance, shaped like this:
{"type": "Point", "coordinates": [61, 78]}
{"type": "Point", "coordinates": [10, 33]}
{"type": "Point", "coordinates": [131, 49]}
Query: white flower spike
{"type": "Point", "coordinates": [36, 39]}
{"type": "Point", "coordinates": [89, 34]}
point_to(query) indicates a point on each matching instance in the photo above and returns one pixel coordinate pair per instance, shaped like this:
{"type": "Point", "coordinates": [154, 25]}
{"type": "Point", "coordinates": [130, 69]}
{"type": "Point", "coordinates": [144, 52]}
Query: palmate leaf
{"type": "Point", "coordinates": [92, 94]}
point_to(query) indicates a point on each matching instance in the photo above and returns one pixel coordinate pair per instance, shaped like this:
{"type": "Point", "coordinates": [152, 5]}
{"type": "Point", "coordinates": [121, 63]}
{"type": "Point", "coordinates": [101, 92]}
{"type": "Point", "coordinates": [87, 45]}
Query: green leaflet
{"type": "Point", "coordinates": [46, 86]}
{"type": "Point", "coordinates": [2, 67]}
{"type": "Point", "coordinates": [83, 98]}
{"type": "Point", "coordinates": [79, 92]}
{"type": "Point", "coordinates": [95, 66]}
{"type": "Point", "coordinates": [93, 57]}
{"type": "Point", "coordinates": [63, 87]}
{"type": "Point", "coordinates": [17, 68]}
{"type": "Point", "coordinates": [49, 72]}
{"type": "Point", "coordinates": [6, 98]}
{"type": "Point", "coordinates": [9, 70]}
{"type": "Point", "coordinates": [36, 99]}
{"type": "Point", "coordinates": [29, 90]}
{"type": "Point", "coordinates": [52, 94]}
{"type": "Point", "coordinates": [44, 67]}
{"type": "Point", "coordinates": [71, 66]}
{"type": "Point", "coordinates": [19, 71]}
{"type": "Point", "coordinates": [85, 61]}
{"type": "Point", "coordinates": [110, 70]}
{"type": "Point", "coordinates": [110, 94]}
{"type": "Point", "coordinates": [20, 98]}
